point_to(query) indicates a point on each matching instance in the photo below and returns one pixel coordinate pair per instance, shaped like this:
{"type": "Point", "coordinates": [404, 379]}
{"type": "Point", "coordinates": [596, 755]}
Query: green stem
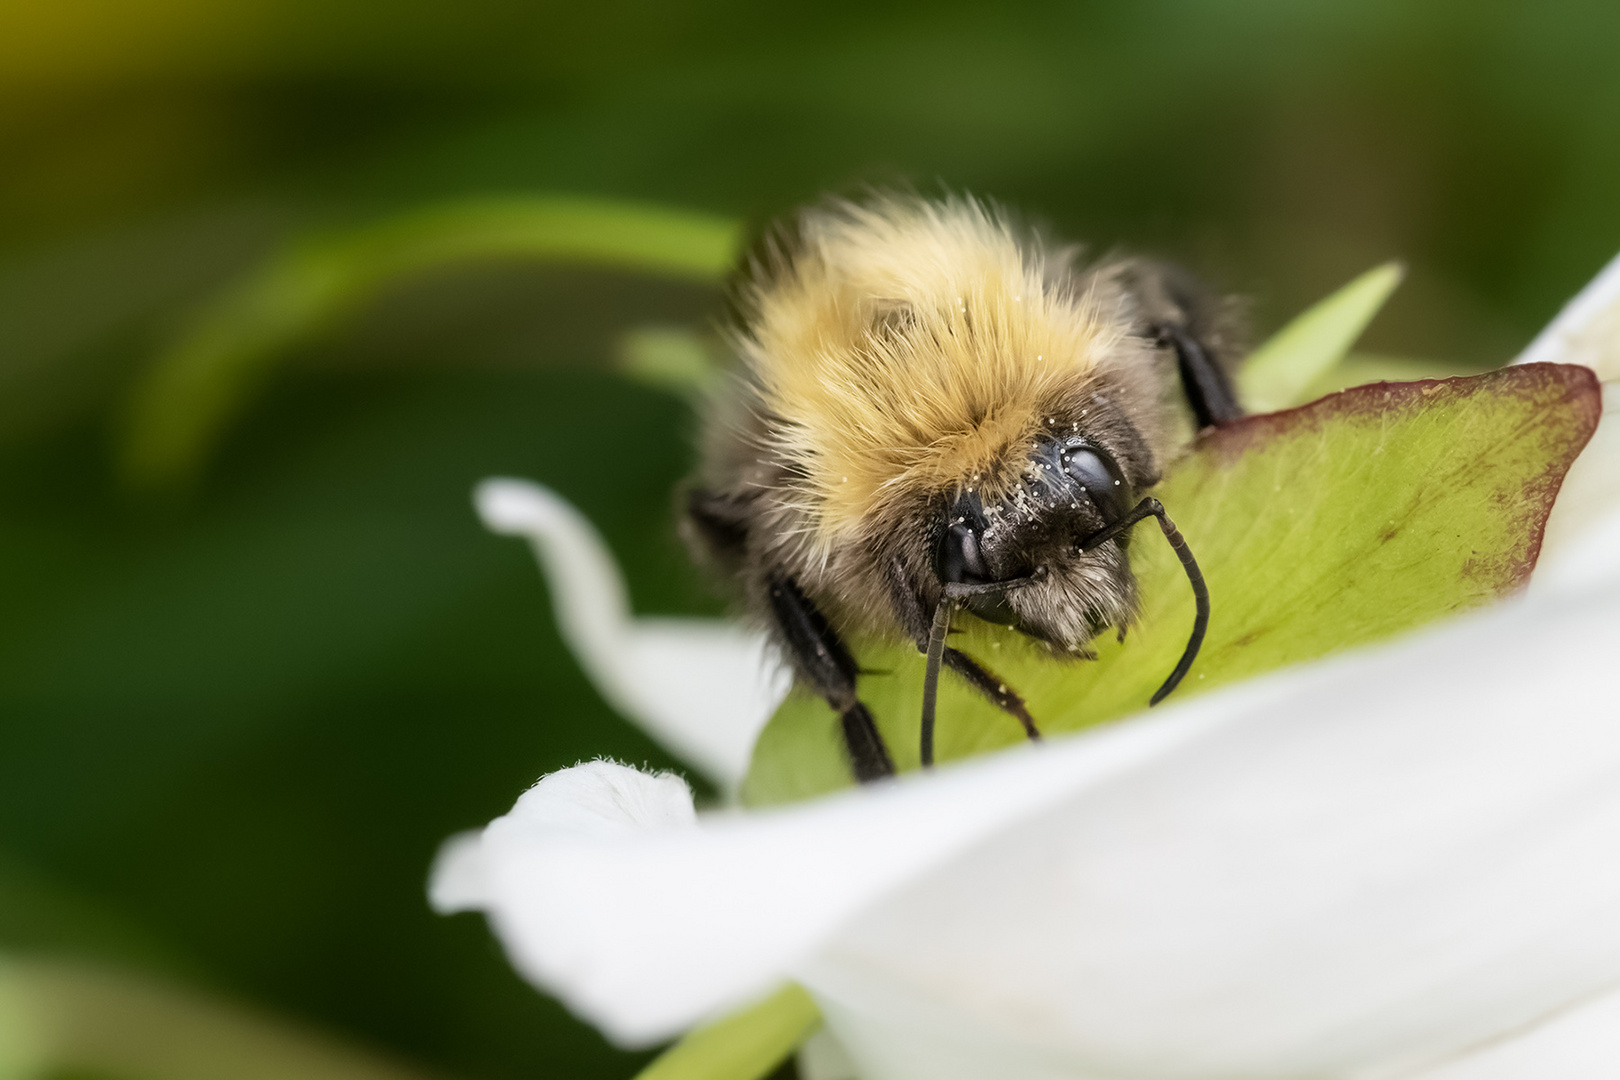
{"type": "Point", "coordinates": [195, 389]}
{"type": "Point", "coordinates": [746, 1045]}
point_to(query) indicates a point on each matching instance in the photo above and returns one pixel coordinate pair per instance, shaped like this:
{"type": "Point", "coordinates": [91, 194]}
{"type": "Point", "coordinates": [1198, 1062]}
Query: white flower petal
{"type": "Point", "coordinates": [702, 687]}
{"type": "Point", "coordinates": [1346, 870]}
{"type": "Point", "coordinates": [1587, 331]}
{"type": "Point", "coordinates": [1581, 545]}
{"type": "Point", "coordinates": [598, 798]}
{"type": "Point", "coordinates": [1393, 864]}
{"type": "Point", "coordinates": [457, 881]}
{"type": "Point", "coordinates": [601, 798]}
{"type": "Point", "coordinates": [645, 935]}
{"type": "Point", "coordinates": [1580, 1044]}
{"type": "Point", "coordinates": [1410, 857]}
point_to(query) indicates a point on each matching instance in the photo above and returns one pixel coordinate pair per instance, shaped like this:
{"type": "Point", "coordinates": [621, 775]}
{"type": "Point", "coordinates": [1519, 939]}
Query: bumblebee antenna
{"type": "Point", "coordinates": [1151, 507]}
{"type": "Point", "coordinates": [954, 591]}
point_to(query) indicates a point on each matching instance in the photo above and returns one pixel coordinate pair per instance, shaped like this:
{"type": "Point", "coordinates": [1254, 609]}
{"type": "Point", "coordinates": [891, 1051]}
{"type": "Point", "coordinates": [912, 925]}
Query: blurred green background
{"type": "Point", "coordinates": [238, 716]}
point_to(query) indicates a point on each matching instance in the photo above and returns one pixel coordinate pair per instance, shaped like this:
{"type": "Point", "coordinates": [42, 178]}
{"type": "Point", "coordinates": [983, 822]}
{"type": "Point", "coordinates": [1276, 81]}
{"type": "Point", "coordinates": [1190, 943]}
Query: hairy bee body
{"type": "Point", "coordinates": [929, 394]}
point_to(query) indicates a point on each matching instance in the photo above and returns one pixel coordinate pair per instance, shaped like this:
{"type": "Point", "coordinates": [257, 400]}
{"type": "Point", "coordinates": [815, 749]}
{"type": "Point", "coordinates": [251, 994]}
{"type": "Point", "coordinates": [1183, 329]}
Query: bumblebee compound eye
{"type": "Point", "coordinates": [1099, 478]}
{"type": "Point", "coordinates": [959, 557]}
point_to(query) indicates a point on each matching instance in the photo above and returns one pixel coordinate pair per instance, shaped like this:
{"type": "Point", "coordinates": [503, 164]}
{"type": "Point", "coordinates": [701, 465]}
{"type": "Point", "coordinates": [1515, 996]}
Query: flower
{"type": "Point", "coordinates": [1394, 863]}
{"type": "Point", "coordinates": [703, 687]}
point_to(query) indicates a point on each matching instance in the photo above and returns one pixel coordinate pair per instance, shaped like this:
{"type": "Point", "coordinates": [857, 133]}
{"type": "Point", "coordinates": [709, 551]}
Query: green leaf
{"type": "Point", "coordinates": [746, 1045]}
{"type": "Point", "coordinates": [1349, 520]}
{"type": "Point", "coordinates": [1279, 373]}
{"type": "Point", "coordinates": [196, 388]}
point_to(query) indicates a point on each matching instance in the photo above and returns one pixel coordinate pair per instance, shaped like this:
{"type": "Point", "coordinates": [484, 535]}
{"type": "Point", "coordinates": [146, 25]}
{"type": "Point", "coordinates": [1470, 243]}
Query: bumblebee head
{"type": "Point", "coordinates": [1071, 490]}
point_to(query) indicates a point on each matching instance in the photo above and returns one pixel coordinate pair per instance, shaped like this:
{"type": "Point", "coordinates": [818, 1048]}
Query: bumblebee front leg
{"type": "Point", "coordinates": [820, 658]}
{"type": "Point", "coordinates": [985, 682]}
{"type": "Point", "coordinates": [917, 623]}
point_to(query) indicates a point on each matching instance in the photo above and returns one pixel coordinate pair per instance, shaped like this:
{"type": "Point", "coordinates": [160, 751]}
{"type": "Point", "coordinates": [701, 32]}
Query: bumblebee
{"type": "Point", "coordinates": [937, 408]}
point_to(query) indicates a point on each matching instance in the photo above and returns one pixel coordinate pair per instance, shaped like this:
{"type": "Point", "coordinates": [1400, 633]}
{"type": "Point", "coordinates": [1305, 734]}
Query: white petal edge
{"type": "Point", "coordinates": [1586, 331]}
{"type": "Point", "coordinates": [646, 934]}
{"type": "Point", "coordinates": [597, 798]}
{"type": "Point", "coordinates": [702, 687]}
{"type": "Point", "coordinates": [457, 881]}
{"type": "Point", "coordinates": [1377, 817]}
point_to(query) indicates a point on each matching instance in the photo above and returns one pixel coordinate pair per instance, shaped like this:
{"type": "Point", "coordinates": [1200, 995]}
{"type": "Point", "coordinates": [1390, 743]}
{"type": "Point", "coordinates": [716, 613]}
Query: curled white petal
{"type": "Point", "coordinates": [458, 881]}
{"type": "Point", "coordinates": [519, 867]}
{"type": "Point", "coordinates": [1355, 869]}
{"type": "Point", "coordinates": [598, 798]}
{"type": "Point", "coordinates": [646, 934]}
{"type": "Point", "coordinates": [1587, 331]}
{"type": "Point", "coordinates": [702, 687]}
{"type": "Point", "coordinates": [603, 798]}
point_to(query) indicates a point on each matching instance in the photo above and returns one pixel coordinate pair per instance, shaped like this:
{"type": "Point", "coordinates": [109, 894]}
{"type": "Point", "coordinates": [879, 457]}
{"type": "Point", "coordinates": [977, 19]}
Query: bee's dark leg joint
{"type": "Point", "coordinates": [1207, 386]}
{"type": "Point", "coordinates": [821, 660]}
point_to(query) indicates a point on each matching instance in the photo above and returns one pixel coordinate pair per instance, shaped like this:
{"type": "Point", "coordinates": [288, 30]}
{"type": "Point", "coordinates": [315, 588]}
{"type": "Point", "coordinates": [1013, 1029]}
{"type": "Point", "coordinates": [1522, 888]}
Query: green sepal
{"type": "Point", "coordinates": [1281, 373]}
{"type": "Point", "coordinates": [745, 1045]}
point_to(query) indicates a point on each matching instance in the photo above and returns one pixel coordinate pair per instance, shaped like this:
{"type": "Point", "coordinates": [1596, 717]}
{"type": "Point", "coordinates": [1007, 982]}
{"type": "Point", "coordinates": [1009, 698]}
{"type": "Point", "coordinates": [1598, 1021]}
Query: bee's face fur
{"type": "Point", "coordinates": [929, 395]}
{"type": "Point", "coordinates": [1072, 488]}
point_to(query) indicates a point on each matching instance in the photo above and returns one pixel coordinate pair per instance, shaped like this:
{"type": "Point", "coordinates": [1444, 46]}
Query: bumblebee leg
{"type": "Point", "coordinates": [1205, 382]}
{"type": "Point", "coordinates": [985, 682]}
{"type": "Point", "coordinates": [910, 609]}
{"type": "Point", "coordinates": [820, 658]}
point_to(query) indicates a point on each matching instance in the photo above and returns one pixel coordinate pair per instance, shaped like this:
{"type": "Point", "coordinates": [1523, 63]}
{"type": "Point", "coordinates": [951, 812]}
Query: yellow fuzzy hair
{"type": "Point", "coordinates": [907, 347]}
